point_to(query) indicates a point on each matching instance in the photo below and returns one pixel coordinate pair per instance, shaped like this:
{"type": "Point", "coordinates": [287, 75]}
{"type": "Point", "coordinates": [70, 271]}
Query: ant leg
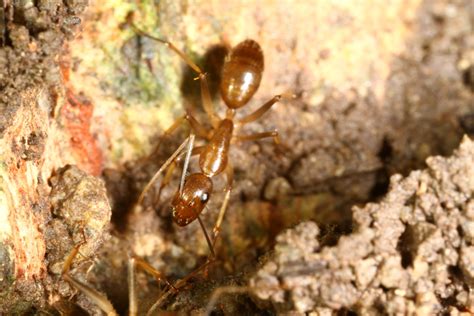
{"type": "Point", "coordinates": [95, 296]}
{"type": "Point", "coordinates": [264, 108]}
{"type": "Point", "coordinates": [197, 127]}
{"type": "Point", "coordinates": [145, 266]}
{"type": "Point", "coordinates": [172, 289]}
{"type": "Point", "coordinates": [163, 167]}
{"type": "Point", "coordinates": [208, 240]}
{"type": "Point", "coordinates": [230, 179]}
{"type": "Point", "coordinates": [178, 285]}
{"type": "Point", "coordinates": [205, 94]}
{"type": "Point", "coordinates": [257, 136]}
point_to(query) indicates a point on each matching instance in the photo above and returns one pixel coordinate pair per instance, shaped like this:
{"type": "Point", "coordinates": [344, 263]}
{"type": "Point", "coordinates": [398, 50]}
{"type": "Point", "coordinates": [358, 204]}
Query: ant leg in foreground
{"type": "Point", "coordinates": [132, 295]}
{"type": "Point", "coordinates": [205, 94]}
{"type": "Point", "coordinates": [95, 296]}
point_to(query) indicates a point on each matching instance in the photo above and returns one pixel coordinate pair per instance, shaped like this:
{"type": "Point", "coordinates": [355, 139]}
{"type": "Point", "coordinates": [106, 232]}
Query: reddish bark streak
{"type": "Point", "coordinates": [77, 115]}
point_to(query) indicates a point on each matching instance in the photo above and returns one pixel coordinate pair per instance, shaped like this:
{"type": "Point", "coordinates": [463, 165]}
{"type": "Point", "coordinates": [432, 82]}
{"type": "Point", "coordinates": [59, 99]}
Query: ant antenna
{"type": "Point", "coordinates": [162, 168]}
{"type": "Point", "coordinates": [186, 162]}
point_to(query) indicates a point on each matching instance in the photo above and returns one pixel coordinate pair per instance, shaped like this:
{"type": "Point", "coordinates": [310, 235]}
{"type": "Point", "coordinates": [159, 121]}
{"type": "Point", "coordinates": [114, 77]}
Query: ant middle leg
{"type": "Point", "coordinates": [257, 136]}
{"type": "Point", "coordinates": [264, 108]}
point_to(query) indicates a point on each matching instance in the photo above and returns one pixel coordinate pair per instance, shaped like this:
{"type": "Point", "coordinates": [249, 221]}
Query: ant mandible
{"type": "Point", "coordinates": [240, 78]}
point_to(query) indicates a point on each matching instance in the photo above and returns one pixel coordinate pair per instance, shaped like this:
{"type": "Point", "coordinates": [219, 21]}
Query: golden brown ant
{"type": "Point", "coordinates": [241, 76]}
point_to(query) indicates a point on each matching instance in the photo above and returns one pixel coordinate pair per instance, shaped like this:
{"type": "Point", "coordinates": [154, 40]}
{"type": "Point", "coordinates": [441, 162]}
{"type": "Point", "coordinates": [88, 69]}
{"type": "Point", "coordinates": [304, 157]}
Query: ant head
{"type": "Point", "coordinates": [188, 204]}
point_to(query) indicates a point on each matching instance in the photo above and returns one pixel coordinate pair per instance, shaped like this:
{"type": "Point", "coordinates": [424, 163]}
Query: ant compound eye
{"type": "Point", "coordinates": [204, 197]}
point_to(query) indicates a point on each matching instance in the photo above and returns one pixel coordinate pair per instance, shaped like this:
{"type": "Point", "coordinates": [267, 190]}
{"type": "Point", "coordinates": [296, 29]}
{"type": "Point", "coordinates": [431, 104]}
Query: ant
{"type": "Point", "coordinates": [241, 75]}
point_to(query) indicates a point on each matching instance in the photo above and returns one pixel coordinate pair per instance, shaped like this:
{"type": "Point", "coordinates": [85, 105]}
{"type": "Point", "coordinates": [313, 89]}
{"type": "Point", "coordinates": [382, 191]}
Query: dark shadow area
{"type": "Point", "coordinates": [382, 176]}
{"type": "Point", "coordinates": [211, 63]}
{"type": "Point", "coordinates": [468, 78]}
{"type": "Point", "coordinates": [405, 247]}
{"type": "Point", "coordinates": [467, 123]}
{"type": "Point", "coordinates": [122, 195]}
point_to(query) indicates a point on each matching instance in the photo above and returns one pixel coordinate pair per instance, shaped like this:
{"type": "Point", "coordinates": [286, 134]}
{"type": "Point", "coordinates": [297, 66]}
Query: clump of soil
{"type": "Point", "coordinates": [411, 253]}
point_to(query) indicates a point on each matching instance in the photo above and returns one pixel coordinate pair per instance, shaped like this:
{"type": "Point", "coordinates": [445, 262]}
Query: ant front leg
{"type": "Point", "coordinates": [205, 94]}
{"type": "Point", "coordinates": [257, 136]}
{"type": "Point", "coordinates": [95, 296]}
{"type": "Point", "coordinates": [133, 263]}
{"type": "Point", "coordinates": [230, 179]}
